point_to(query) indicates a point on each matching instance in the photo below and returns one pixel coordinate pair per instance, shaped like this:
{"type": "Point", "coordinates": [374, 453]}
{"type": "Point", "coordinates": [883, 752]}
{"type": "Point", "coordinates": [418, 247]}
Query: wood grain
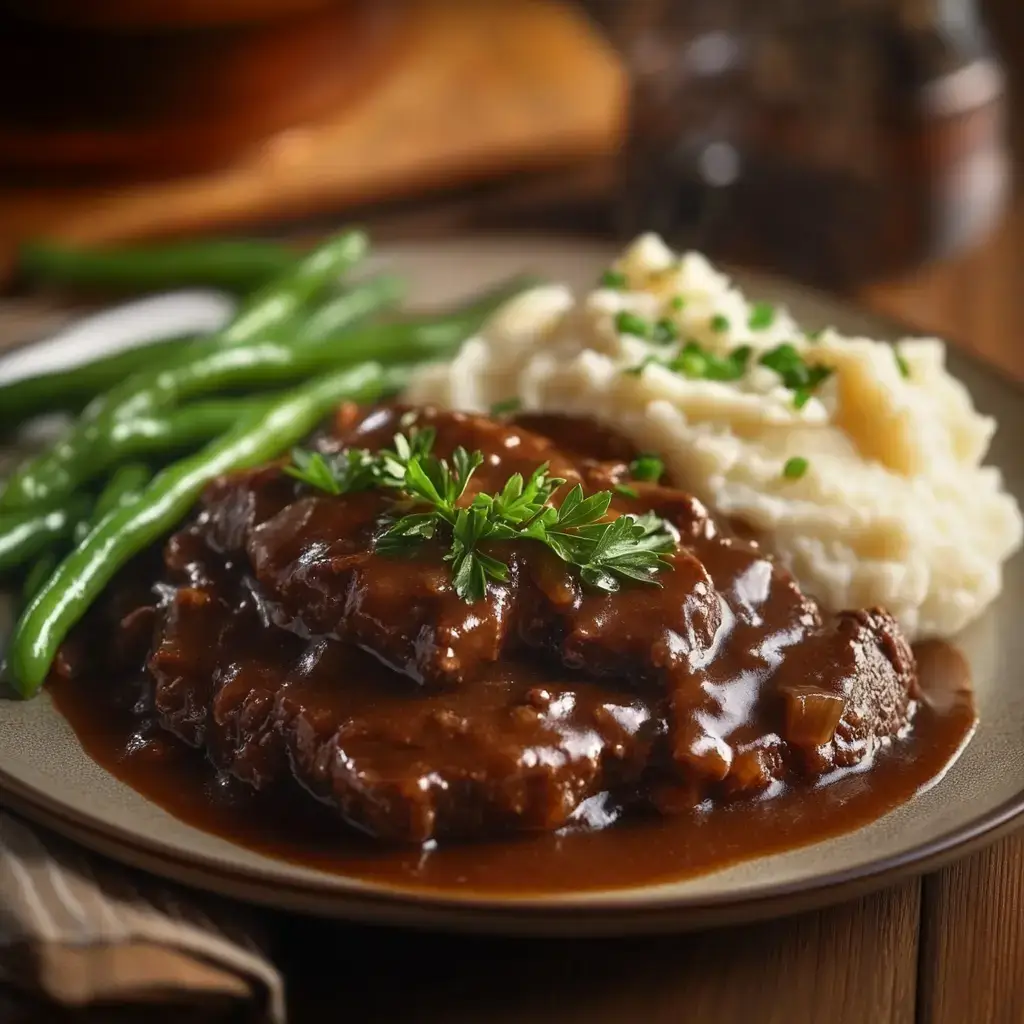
{"type": "Point", "coordinates": [972, 944]}
{"type": "Point", "coordinates": [848, 965]}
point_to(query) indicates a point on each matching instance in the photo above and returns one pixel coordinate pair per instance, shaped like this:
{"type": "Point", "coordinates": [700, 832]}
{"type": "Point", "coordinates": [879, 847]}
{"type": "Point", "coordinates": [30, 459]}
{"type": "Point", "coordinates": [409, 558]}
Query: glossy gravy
{"type": "Point", "coordinates": [628, 853]}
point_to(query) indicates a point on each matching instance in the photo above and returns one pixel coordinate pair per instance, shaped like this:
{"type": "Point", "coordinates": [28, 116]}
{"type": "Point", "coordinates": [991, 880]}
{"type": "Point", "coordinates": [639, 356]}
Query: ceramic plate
{"type": "Point", "coordinates": [45, 774]}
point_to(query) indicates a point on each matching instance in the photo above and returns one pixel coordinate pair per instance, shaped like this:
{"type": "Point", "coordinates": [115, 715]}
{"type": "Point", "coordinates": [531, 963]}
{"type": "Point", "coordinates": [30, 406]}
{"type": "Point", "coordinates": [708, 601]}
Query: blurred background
{"type": "Point", "coordinates": [864, 146]}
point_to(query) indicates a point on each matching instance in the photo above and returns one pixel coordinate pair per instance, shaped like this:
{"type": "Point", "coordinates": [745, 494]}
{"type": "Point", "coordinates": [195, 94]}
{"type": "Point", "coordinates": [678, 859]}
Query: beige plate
{"type": "Point", "coordinates": [45, 774]}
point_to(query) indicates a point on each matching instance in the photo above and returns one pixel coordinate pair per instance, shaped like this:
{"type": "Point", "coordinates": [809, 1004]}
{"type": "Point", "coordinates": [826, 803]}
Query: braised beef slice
{"type": "Point", "coordinates": [287, 645]}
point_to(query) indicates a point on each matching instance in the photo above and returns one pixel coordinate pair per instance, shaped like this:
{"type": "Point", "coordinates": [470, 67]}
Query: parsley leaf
{"type": "Point", "coordinates": [677, 303]}
{"type": "Point", "coordinates": [429, 492]}
{"type": "Point", "coordinates": [719, 323]}
{"type": "Point", "coordinates": [901, 364]}
{"type": "Point", "coordinates": [343, 473]}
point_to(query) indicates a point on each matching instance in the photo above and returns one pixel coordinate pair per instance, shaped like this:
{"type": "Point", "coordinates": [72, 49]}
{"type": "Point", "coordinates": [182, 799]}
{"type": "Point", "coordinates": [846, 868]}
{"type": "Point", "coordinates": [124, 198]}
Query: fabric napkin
{"type": "Point", "coordinates": [79, 930]}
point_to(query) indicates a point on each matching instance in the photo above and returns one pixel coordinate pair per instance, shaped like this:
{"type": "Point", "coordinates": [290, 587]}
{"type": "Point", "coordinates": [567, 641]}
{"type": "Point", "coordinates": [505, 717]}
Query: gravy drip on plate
{"type": "Point", "coordinates": [548, 739]}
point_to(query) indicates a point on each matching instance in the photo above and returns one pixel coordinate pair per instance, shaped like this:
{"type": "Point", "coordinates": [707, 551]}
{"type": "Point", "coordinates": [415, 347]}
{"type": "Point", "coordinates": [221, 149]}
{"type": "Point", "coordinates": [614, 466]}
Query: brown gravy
{"type": "Point", "coordinates": [633, 852]}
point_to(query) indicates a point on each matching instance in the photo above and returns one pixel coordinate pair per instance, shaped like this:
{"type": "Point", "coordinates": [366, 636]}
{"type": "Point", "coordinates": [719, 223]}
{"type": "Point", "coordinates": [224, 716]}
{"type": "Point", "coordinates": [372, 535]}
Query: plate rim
{"type": "Point", "coordinates": [537, 914]}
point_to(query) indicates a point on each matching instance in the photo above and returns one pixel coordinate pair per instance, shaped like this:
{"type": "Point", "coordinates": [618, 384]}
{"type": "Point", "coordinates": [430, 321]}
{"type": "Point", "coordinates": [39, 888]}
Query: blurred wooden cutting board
{"type": "Point", "coordinates": [478, 89]}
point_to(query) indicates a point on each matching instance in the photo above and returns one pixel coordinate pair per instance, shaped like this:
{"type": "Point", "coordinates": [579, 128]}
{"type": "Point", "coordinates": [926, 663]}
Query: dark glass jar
{"type": "Point", "coordinates": [837, 141]}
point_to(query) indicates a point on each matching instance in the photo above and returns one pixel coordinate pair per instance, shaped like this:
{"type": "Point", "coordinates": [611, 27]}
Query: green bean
{"type": "Point", "coordinates": [126, 531]}
{"type": "Point", "coordinates": [129, 479]}
{"type": "Point", "coordinates": [260, 365]}
{"type": "Point", "coordinates": [41, 571]}
{"type": "Point", "coordinates": [71, 389]}
{"type": "Point", "coordinates": [235, 265]}
{"type": "Point", "coordinates": [282, 298]}
{"type": "Point", "coordinates": [340, 313]}
{"type": "Point", "coordinates": [174, 430]}
{"type": "Point", "coordinates": [25, 535]}
{"type": "Point", "coordinates": [124, 485]}
{"type": "Point", "coordinates": [432, 337]}
{"type": "Point", "coordinates": [273, 307]}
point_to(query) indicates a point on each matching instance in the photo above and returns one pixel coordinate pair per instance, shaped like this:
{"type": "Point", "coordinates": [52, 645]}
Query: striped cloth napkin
{"type": "Point", "coordinates": [78, 930]}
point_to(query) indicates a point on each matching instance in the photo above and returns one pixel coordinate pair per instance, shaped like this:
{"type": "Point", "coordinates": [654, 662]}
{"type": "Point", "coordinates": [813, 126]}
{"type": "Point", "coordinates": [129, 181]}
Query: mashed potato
{"type": "Point", "coordinates": [860, 462]}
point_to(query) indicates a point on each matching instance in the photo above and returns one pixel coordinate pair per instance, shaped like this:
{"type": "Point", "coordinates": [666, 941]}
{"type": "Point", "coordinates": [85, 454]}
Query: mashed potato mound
{"type": "Point", "coordinates": [867, 483]}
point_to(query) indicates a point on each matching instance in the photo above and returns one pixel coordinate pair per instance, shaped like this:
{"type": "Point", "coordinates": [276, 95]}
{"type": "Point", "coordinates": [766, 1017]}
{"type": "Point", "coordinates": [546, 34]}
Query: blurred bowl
{"type": "Point", "coordinates": [134, 15]}
{"type": "Point", "coordinates": [156, 104]}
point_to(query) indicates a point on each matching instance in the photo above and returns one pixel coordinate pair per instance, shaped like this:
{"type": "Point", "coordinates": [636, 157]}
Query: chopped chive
{"type": "Point", "coordinates": [665, 331]}
{"type": "Point", "coordinates": [506, 406]}
{"type": "Point", "coordinates": [613, 279]}
{"type": "Point", "coordinates": [625, 491]}
{"type": "Point", "coordinates": [647, 468]}
{"type": "Point", "coordinates": [636, 371]}
{"type": "Point", "coordinates": [794, 468]}
{"type": "Point", "coordinates": [719, 323]}
{"type": "Point", "coordinates": [630, 323]}
{"type": "Point", "coordinates": [796, 374]}
{"type": "Point", "coordinates": [732, 367]}
{"type": "Point", "coordinates": [692, 361]}
{"type": "Point", "coordinates": [762, 315]}
{"type": "Point", "coordinates": [902, 364]}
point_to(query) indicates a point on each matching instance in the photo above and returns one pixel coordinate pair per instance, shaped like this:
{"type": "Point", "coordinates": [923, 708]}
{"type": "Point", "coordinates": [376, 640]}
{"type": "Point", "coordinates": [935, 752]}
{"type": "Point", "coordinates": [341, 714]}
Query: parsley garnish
{"type": "Point", "coordinates": [794, 468]}
{"type": "Point", "coordinates": [630, 323]}
{"type": "Point", "coordinates": [719, 323]}
{"type": "Point", "coordinates": [797, 375]}
{"type": "Point", "coordinates": [901, 363]}
{"type": "Point", "coordinates": [506, 406]}
{"type": "Point", "coordinates": [603, 552]}
{"type": "Point", "coordinates": [356, 469]}
{"type": "Point", "coordinates": [344, 473]}
{"type": "Point", "coordinates": [647, 468]}
{"type": "Point", "coordinates": [762, 315]}
{"type": "Point", "coordinates": [613, 279]}
{"type": "Point", "coordinates": [626, 491]}
{"type": "Point", "coordinates": [677, 303]}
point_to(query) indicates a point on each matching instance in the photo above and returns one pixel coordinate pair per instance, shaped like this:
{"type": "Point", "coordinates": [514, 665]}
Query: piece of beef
{"type": "Point", "coordinates": [723, 681]}
{"type": "Point", "coordinates": [518, 750]}
{"type": "Point", "coordinates": [509, 753]}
